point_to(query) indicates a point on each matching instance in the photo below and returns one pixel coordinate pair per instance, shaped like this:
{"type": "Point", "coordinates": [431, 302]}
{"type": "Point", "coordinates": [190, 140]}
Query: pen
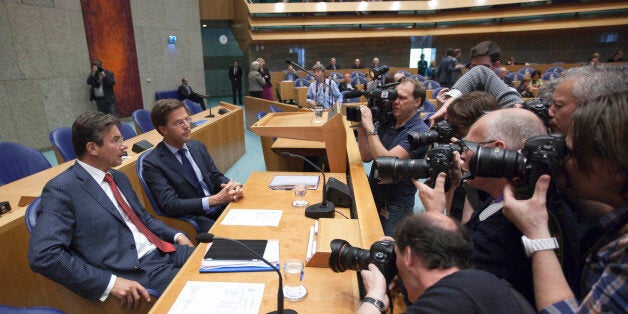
{"type": "Point", "coordinates": [316, 227]}
{"type": "Point", "coordinates": [308, 255]}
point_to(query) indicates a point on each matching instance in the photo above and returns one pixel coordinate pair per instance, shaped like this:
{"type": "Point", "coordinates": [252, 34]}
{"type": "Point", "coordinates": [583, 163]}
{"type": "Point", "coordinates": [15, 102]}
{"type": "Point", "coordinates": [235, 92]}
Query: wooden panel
{"type": "Point", "coordinates": [326, 289]}
{"type": "Point", "coordinates": [253, 105]}
{"type": "Point", "coordinates": [215, 9]}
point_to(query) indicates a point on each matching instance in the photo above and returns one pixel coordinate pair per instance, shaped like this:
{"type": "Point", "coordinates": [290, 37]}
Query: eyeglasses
{"type": "Point", "coordinates": [118, 141]}
{"type": "Point", "coordinates": [182, 123]}
{"type": "Point", "coordinates": [473, 146]}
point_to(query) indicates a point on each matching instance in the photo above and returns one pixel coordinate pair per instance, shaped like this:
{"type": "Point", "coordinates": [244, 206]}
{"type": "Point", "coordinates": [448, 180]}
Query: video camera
{"type": "Point", "coordinates": [539, 108]}
{"type": "Point", "coordinates": [542, 154]}
{"type": "Point", "coordinates": [380, 100]}
{"type": "Point", "coordinates": [442, 133]}
{"type": "Point", "coordinates": [439, 159]}
{"type": "Point", "coordinates": [382, 254]}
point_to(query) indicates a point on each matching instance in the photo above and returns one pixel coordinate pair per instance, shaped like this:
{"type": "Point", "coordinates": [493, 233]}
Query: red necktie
{"type": "Point", "coordinates": [159, 243]}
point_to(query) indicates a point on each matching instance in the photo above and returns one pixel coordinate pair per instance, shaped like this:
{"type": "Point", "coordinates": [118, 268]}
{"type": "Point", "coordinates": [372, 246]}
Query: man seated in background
{"type": "Point", "coordinates": [180, 172]}
{"type": "Point", "coordinates": [346, 85]}
{"type": "Point", "coordinates": [502, 73]}
{"type": "Point", "coordinates": [92, 234]}
{"type": "Point", "coordinates": [186, 92]}
{"type": "Point", "coordinates": [290, 74]}
{"type": "Point", "coordinates": [434, 261]}
{"type": "Point", "coordinates": [356, 64]}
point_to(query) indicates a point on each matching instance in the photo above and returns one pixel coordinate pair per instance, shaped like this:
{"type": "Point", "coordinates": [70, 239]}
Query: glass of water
{"type": "Point", "coordinates": [300, 189]}
{"type": "Point", "coordinates": [293, 288]}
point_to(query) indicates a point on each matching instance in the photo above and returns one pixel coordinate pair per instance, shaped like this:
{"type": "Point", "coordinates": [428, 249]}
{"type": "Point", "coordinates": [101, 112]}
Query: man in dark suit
{"type": "Point", "coordinates": [186, 92]}
{"type": "Point", "coordinates": [101, 90]}
{"type": "Point", "coordinates": [181, 174]}
{"type": "Point", "coordinates": [235, 75]}
{"type": "Point", "coordinates": [346, 85]}
{"type": "Point", "coordinates": [92, 234]}
{"type": "Point", "coordinates": [332, 64]}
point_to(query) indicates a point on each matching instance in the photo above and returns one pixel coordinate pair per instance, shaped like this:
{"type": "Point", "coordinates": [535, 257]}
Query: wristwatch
{"type": "Point", "coordinates": [372, 132]}
{"type": "Point", "coordinates": [379, 304]}
{"type": "Point", "coordinates": [531, 246]}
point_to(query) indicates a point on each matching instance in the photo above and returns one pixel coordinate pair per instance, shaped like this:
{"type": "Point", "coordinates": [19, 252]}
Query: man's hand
{"type": "Point", "coordinates": [442, 111]}
{"type": "Point", "coordinates": [183, 240]}
{"type": "Point", "coordinates": [129, 292]}
{"type": "Point", "coordinates": [367, 118]}
{"type": "Point", "coordinates": [231, 192]}
{"type": "Point", "coordinates": [530, 216]}
{"type": "Point", "coordinates": [375, 284]}
{"type": "Point", "coordinates": [434, 199]}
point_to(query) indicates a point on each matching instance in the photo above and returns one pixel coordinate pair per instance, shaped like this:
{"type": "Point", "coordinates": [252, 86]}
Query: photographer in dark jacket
{"type": "Point", "coordinates": [101, 90]}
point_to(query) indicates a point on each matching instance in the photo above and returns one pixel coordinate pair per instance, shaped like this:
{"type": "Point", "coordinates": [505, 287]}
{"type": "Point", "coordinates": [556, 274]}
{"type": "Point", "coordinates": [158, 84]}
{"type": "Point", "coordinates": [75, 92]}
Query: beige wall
{"type": "Point", "coordinates": [44, 61]}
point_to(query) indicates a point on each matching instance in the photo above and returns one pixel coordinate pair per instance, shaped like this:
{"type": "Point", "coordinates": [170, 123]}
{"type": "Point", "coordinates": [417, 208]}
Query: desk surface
{"type": "Point", "coordinates": [326, 289]}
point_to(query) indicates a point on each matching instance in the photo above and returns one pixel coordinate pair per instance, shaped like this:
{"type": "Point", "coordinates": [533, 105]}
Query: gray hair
{"type": "Point", "coordinates": [546, 91]}
{"type": "Point", "coordinates": [255, 66]}
{"type": "Point", "coordinates": [512, 126]}
{"type": "Point", "coordinates": [593, 81]}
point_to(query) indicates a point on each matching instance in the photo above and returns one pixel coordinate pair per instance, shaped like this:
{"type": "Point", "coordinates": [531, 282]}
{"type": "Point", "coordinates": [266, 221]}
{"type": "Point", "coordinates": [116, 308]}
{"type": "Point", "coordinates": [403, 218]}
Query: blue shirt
{"type": "Point", "coordinates": [402, 192]}
{"type": "Point", "coordinates": [320, 93]}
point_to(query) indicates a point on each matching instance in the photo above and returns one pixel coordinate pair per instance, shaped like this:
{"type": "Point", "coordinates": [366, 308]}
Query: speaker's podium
{"type": "Point", "coordinates": [305, 126]}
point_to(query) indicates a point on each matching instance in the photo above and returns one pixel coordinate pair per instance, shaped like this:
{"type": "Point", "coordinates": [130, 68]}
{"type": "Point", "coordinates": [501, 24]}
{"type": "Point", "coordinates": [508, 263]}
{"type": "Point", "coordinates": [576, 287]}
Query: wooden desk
{"type": "Point", "coordinates": [224, 137]}
{"type": "Point", "coordinates": [286, 90]}
{"type": "Point", "coordinates": [326, 289]}
{"type": "Point", "coordinates": [300, 94]}
{"type": "Point", "coordinates": [253, 105]}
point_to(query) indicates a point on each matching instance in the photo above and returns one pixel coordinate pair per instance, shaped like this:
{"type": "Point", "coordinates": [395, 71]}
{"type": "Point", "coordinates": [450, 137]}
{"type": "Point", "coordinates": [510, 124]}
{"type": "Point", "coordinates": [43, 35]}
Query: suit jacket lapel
{"type": "Point", "coordinates": [95, 191]}
{"type": "Point", "coordinates": [171, 161]}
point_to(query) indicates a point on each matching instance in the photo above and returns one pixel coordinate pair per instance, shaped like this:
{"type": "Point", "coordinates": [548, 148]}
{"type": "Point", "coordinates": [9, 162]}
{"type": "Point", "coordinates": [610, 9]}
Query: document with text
{"type": "Point", "coordinates": [218, 297]}
{"type": "Point", "coordinates": [253, 217]}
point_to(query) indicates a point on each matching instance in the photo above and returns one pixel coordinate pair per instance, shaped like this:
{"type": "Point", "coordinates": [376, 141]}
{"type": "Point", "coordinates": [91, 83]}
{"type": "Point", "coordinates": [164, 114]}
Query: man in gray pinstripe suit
{"type": "Point", "coordinates": [92, 234]}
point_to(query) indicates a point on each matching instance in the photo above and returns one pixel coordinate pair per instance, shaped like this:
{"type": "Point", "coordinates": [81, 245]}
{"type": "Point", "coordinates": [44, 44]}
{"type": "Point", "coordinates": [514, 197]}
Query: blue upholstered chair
{"type": "Point", "coordinates": [514, 76]}
{"type": "Point", "coordinates": [435, 92]}
{"type": "Point", "coordinates": [7, 309]}
{"type": "Point", "coordinates": [61, 140]}
{"type": "Point", "coordinates": [550, 76]}
{"type": "Point", "coordinates": [193, 107]}
{"type": "Point", "coordinates": [555, 69]}
{"type": "Point", "coordinates": [418, 77]}
{"type": "Point", "coordinates": [428, 106]}
{"type": "Point", "coordinates": [32, 211]}
{"type": "Point", "coordinates": [141, 117]}
{"type": "Point", "coordinates": [261, 114]}
{"type": "Point", "coordinates": [127, 131]}
{"type": "Point", "coordinates": [139, 168]}
{"type": "Point", "coordinates": [273, 108]}
{"type": "Point", "coordinates": [431, 84]}
{"type": "Point", "coordinates": [165, 94]}
{"type": "Point", "coordinates": [18, 161]}
{"type": "Point", "coordinates": [301, 82]}
{"type": "Point", "coordinates": [356, 73]}
{"type": "Point", "coordinates": [405, 73]}
{"type": "Point", "coordinates": [358, 80]}
{"type": "Point", "coordinates": [336, 76]}
{"type": "Point", "coordinates": [309, 78]}
{"type": "Point", "coordinates": [526, 71]}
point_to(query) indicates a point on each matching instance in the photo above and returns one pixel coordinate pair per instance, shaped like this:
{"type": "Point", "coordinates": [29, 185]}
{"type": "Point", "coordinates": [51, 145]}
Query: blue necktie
{"type": "Point", "coordinates": [190, 171]}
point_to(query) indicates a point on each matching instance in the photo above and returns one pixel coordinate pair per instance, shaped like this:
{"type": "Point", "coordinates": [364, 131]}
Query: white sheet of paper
{"type": "Point", "coordinates": [253, 217]}
{"type": "Point", "coordinates": [218, 297]}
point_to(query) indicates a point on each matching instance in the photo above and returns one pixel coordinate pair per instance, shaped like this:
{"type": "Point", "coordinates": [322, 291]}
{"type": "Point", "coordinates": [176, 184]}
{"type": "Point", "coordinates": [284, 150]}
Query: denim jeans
{"type": "Point", "coordinates": [395, 213]}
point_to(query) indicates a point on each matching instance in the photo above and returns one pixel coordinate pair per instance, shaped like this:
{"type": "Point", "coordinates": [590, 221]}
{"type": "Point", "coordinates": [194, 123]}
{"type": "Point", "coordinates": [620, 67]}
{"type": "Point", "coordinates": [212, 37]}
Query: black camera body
{"type": "Point", "coordinates": [441, 133]}
{"type": "Point", "coordinates": [439, 159]}
{"type": "Point", "coordinates": [380, 102]}
{"type": "Point", "coordinates": [539, 108]}
{"type": "Point", "coordinates": [100, 69]}
{"type": "Point", "coordinates": [541, 154]}
{"type": "Point", "coordinates": [382, 254]}
{"type": "Point", "coordinates": [378, 71]}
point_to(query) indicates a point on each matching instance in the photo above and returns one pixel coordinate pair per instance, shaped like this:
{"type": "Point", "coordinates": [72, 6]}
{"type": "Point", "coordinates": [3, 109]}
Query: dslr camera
{"type": "Point", "coordinates": [380, 100]}
{"type": "Point", "coordinates": [382, 254]}
{"type": "Point", "coordinates": [539, 108]}
{"type": "Point", "coordinates": [442, 133]}
{"type": "Point", "coordinates": [439, 159]}
{"type": "Point", "coordinates": [541, 154]}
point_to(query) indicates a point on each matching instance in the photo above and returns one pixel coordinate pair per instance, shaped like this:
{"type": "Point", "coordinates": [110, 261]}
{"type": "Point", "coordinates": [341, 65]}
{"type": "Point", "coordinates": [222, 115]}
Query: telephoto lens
{"type": "Point", "coordinates": [390, 169]}
{"type": "Point", "coordinates": [382, 254]}
{"type": "Point", "coordinates": [496, 162]}
{"type": "Point", "coordinates": [442, 133]}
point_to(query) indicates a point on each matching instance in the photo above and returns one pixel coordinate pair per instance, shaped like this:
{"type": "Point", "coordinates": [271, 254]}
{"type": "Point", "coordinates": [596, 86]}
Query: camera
{"type": "Point", "coordinates": [442, 133]}
{"type": "Point", "coordinates": [541, 154]}
{"type": "Point", "coordinates": [538, 107]}
{"type": "Point", "coordinates": [439, 159]}
{"type": "Point", "coordinates": [380, 102]}
{"type": "Point", "coordinates": [378, 71]}
{"type": "Point", "coordinates": [100, 69]}
{"type": "Point", "coordinates": [382, 254]}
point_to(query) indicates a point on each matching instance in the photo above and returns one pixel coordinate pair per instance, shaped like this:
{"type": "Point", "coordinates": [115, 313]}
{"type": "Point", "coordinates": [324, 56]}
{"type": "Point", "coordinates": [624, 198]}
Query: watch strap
{"type": "Point", "coordinates": [530, 246]}
{"type": "Point", "coordinates": [378, 303]}
{"type": "Point", "coordinates": [372, 132]}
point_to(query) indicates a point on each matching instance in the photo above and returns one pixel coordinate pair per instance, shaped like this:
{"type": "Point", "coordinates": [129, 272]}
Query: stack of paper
{"type": "Point", "coordinates": [246, 264]}
{"type": "Point", "coordinates": [287, 182]}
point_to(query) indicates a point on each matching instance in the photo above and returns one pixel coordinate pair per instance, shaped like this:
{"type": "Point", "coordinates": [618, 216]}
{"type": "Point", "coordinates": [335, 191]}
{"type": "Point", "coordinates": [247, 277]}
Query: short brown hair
{"type": "Point", "coordinates": [419, 89]}
{"type": "Point", "coordinates": [486, 48]}
{"type": "Point", "coordinates": [159, 114]}
{"type": "Point", "coordinates": [466, 109]}
{"type": "Point", "coordinates": [90, 127]}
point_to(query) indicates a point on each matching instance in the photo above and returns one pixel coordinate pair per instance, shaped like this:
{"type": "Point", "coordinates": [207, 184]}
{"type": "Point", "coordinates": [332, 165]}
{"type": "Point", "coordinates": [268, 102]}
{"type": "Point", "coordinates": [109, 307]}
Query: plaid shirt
{"type": "Point", "coordinates": [604, 275]}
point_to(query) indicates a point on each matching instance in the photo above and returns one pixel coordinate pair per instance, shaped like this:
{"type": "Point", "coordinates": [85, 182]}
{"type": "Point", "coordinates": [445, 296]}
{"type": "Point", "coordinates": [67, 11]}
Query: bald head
{"type": "Point", "coordinates": [512, 126]}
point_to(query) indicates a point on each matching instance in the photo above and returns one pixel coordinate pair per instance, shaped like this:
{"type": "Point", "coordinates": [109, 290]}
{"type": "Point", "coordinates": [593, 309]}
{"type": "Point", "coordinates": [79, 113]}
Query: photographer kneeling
{"type": "Point", "coordinates": [434, 260]}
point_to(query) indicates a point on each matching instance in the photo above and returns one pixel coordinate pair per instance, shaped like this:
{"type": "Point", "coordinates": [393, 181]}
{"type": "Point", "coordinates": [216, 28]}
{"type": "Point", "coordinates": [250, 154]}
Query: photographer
{"type": "Point", "coordinates": [497, 242]}
{"type": "Point", "coordinates": [323, 91]}
{"type": "Point", "coordinates": [393, 201]}
{"type": "Point", "coordinates": [101, 90]}
{"type": "Point", "coordinates": [596, 169]}
{"type": "Point", "coordinates": [434, 260]}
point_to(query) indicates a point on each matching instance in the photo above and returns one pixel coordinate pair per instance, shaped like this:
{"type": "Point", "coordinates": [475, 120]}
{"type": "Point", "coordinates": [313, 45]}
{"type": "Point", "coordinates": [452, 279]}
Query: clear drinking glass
{"type": "Point", "coordinates": [300, 189]}
{"type": "Point", "coordinates": [293, 288]}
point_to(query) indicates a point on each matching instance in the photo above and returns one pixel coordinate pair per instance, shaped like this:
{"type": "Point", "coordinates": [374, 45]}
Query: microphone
{"type": "Point", "coordinates": [211, 115]}
{"type": "Point", "coordinates": [323, 209]}
{"type": "Point", "coordinates": [209, 237]}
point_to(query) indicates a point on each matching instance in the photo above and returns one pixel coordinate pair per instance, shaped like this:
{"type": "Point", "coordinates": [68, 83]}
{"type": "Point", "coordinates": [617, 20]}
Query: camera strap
{"type": "Point", "coordinates": [490, 210]}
